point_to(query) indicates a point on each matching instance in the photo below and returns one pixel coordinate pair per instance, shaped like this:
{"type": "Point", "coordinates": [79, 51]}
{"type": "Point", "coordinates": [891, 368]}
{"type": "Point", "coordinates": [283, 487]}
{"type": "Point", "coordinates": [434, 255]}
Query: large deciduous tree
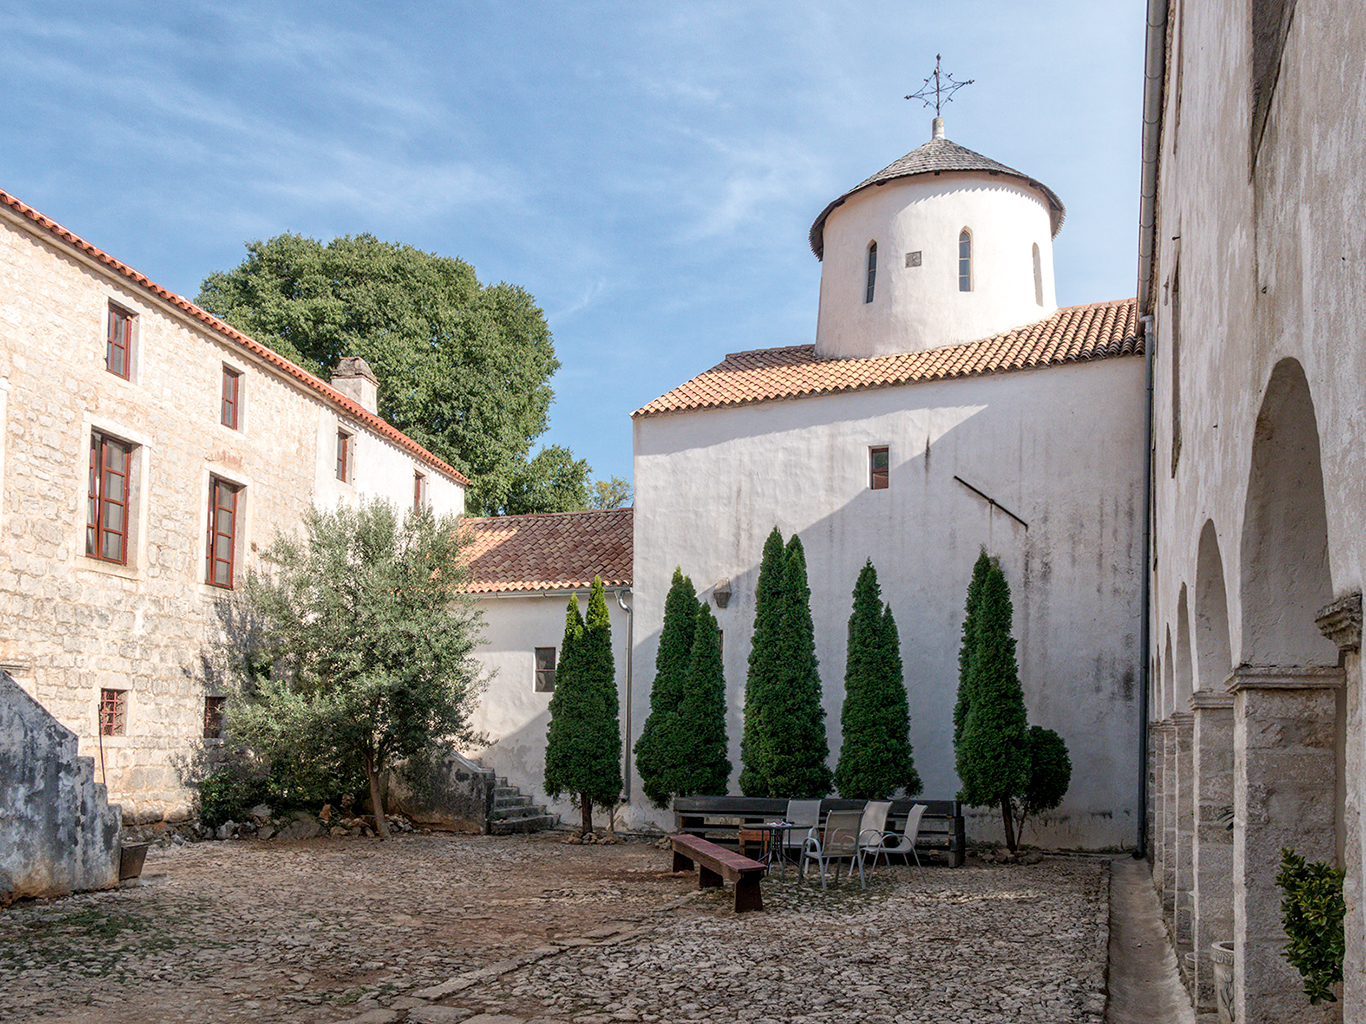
{"type": "Point", "coordinates": [657, 754]}
{"type": "Point", "coordinates": [463, 368]}
{"type": "Point", "coordinates": [783, 748]}
{"type": "Point", "coordinates": [356, 643]}
{"type": "Point", "coordinates": [583, 742]}
{"type": "Point", "coordinates": [875, 752]}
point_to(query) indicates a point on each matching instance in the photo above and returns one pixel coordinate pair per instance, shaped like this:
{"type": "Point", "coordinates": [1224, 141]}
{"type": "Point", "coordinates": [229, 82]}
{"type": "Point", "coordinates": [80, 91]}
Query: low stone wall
{"type": "Point", "coordinates": [455, 794]}
{"type": "Point", "coordinates": [57, 833]}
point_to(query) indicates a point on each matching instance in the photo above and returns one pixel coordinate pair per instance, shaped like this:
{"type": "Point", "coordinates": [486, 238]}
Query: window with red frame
{"type": "Point", "coordinates": [419, 492]}
{"type": "Point", "coordinates": [232, 387]}
{"type": "Point", "coordinates": [213, 717]}
{"type": "Point", "coordinates": [106, 527]}
{"type": "Point", "coordinates": [118, 353]}
{"type": "Point", "coordinates": [877, 468]}
{"type": "Point", "coordinates": [113, 706]}
{"type": "Point", "coordinates": [218, 568]}
{"type": "Point", "coordinates": [343, 456]}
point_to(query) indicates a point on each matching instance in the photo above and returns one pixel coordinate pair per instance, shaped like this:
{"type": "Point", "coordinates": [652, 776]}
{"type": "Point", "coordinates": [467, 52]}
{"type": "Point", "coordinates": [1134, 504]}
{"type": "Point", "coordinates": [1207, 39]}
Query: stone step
{"type": "Point", "coordinates": [512, 826]}
{"type": "Point", "coordinates": [519, 800]}
{"type": "Point", "coordinates": [505, 791]}
{"type": "Point", "coordinates": [512, 813]}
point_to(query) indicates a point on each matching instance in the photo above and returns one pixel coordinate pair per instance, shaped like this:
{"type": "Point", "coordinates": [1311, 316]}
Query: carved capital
{"type": "Point", "coordinates": [1285, 677]}
{"type": "Point", "coordinates": [1211, 700]}
{"type": "Point", "coordinates": [1340, 622]}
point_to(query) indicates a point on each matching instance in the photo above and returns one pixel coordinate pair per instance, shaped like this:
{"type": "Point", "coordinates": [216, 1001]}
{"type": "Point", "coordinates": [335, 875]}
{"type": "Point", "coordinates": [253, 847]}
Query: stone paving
{"type": "Point", "coordinates": [504, 930]}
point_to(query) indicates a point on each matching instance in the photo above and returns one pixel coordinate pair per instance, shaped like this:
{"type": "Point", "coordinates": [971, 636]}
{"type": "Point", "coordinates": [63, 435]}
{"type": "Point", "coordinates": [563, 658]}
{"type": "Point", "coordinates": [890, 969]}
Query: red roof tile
{"type": "Point", "coordinates": [551, 551]}
{"type": "Point", "coordinates": [328, 393]}
{"type": "Point", "coordinates": [1072, 334]}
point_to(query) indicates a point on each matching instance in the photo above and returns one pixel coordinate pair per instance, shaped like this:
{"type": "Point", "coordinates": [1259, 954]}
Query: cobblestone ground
{"type": "Point", "coordinates": [500, 930]}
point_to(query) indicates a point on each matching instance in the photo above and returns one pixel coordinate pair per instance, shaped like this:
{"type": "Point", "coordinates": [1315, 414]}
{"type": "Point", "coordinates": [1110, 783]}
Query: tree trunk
{"type": "Point", "coordinates": [376, 799]}
{"type": "Point", "coordinates": [586, 803]}
{"type": "Point", "coordinates": [1011, 844]}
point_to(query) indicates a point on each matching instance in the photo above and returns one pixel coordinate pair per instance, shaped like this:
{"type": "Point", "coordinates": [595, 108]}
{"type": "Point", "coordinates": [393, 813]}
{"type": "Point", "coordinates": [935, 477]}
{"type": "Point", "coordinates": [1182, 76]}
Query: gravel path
{"type": "Point", "coordinates": [499, 930]}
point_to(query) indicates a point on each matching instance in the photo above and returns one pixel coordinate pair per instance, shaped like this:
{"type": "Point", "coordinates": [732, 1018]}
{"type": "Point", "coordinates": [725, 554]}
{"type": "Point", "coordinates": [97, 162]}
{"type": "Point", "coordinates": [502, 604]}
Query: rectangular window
{"type": "Point", "coordinates": [232, 385]}
{"type": "Point", "coordinates": [213, 717]}
{"type": "Point", "coordinates": [113, 706]}
{"type": "Point", "coordinates": [222, 532]}
{"type": "Point", "coordinates": [118, 353]}
{"type": "Point", "coordinates": [343, 456]}
{"type": "Point", "coordinates": [106, 529]}
{"type": "Point", "coordinates": [877, 468]}
{"type": "Point", "coordinates": [419, 492]}
{"type": "Point", "coordinates": [545, 669]}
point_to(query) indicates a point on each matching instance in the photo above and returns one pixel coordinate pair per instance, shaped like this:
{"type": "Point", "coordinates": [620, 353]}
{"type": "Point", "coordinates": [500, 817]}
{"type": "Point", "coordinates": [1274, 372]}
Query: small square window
{"type": "Point", "coordinates": [113, 708]}
{"type": "Point", "coordinates": [118, 352]}
{"type": "Point", "coordinates": [213, 717]}
{"type": "Point", "coordinates": [343, 456]}
{"type": "Point", "coordinates": [232, 390]}
{"type": "Point", "coordinates": [913, 259]}
{"type": "Point", "coordinates": [419, 492]}
{"type": "Point", "coordinates": [545, 669]}
{"type": "Point", "coordinates": [877, 468]}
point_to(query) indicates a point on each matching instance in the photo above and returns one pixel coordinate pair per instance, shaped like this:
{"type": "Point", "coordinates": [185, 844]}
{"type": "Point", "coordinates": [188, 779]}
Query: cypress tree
{"type": "Point", "coordinates": [657, 756]}
{"type": "Point", "coordinates": [701, 718]}
{"type": "Point", "coordinates": [969, 644]}
{"type": "Point", "coordinates": [763, 683]}
{"type": "Point", "coordinates": [992, 760]}
{"type": "Point", "coordinates": [583, 743]}
{"type": "Point", "coordinates": [875, 752]}
{"type": "Point", "coordinates": [797, 730]}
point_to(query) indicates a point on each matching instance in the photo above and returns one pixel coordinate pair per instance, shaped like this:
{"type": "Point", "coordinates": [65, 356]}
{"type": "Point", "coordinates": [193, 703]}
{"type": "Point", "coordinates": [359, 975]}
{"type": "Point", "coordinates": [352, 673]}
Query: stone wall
{"type": "Point", "coordinates": [74, 625]}
{"type": "Point", "coordinates": [57, 833]}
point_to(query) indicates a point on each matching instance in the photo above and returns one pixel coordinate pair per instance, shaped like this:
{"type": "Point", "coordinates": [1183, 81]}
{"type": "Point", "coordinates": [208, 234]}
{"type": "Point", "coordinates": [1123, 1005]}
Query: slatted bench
{"type": "Point", "coordinates": [720, 819]}
{"type": "Point", "coordinates": [713, 862]}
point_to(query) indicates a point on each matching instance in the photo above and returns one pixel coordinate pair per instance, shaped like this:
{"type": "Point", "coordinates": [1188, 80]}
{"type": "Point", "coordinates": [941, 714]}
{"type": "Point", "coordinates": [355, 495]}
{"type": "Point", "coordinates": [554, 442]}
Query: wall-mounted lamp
{"type": "Point", "coordinates": [721, 593]}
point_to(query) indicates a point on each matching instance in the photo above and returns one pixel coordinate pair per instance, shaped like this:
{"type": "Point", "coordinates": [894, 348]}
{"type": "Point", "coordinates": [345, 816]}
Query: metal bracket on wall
{"type": "Point", "coordinates": [992, 501]}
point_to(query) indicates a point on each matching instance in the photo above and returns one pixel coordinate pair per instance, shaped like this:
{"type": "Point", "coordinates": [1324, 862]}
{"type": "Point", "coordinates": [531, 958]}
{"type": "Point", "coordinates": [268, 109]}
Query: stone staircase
{"type": "Point", "coordinates": [513, 811]}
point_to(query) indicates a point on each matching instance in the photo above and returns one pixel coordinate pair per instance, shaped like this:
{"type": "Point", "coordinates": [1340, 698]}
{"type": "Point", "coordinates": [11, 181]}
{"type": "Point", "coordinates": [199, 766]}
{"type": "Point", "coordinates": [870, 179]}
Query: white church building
{"type": "Point", "coordinates": [946, 405]}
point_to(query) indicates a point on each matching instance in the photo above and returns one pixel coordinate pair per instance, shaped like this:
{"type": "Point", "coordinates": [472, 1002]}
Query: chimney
{"type": "Point", "coordinates": [354, 379]}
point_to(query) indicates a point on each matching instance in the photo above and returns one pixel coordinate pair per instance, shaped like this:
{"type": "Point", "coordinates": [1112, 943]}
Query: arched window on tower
{"type": "Point", "coordinates": [872, 272]}
{"type": "Point", "coordinates": [965, 260]}
{"type": "Point", "coordinates": [1038, 276]}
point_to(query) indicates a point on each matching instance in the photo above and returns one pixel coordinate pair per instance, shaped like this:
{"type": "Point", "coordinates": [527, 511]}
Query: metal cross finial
{"type": "Point", "coordinates": [943, 89]}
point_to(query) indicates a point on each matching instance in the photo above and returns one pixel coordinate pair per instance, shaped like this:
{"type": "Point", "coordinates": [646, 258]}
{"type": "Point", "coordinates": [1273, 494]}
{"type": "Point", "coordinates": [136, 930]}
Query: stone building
{"type": "Point", "coordinates": [523, 570]}
{"type": "Point", "coordinates": [147, 450]}
{"type": "Point", "coordinates": [1253, 292]}
{"type": "Point", "coordinates": [946, 405]}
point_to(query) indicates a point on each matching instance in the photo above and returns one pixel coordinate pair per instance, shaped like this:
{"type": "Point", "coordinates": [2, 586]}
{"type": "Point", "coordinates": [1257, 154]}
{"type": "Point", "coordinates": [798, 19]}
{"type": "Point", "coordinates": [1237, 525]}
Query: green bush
{"type": "Point", "coordinates": [227, 794]}
{"type": "Point", "coordinates": [1312, 912]}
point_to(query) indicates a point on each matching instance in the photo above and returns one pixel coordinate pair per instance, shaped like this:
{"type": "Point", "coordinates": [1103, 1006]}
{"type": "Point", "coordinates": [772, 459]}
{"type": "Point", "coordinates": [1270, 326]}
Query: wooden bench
{"type": "Point", "coordinates": [720, 819]}
{"type": "Point", "coordinates": [713, 862]}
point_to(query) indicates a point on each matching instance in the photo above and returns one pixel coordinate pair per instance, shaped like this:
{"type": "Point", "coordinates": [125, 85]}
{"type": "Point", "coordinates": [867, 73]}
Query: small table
{"type": "Point", "coordinates": [777, 835]}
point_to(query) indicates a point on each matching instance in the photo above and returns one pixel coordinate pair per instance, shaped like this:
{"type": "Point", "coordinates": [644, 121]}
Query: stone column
{"type": "Point", "coordinates": [1212, 850]}
{"type": "Point", "coordinates": [1169, 824]}
{"type": "Point", "coordinates": [1284, 795]}
{"type": "Point", "coordinates": [1183, 727]}
{"type": "Point", "coordinates": [1340, 622]}
{"type": "Point", "coordinates": [1158, 731]}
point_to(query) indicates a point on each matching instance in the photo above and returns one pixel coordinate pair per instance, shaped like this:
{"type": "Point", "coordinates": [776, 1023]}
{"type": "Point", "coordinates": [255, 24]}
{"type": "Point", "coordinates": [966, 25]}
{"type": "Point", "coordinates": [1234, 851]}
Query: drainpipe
{"type": "Point", "coordinates": [630, 649]}
{"type": "Point", "coordinates": [1154, 78]}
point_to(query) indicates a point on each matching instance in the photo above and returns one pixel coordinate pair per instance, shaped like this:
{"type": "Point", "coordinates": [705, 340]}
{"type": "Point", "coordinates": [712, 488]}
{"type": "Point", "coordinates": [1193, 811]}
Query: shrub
{"type": "Point", "coordinates": [1312, 911]}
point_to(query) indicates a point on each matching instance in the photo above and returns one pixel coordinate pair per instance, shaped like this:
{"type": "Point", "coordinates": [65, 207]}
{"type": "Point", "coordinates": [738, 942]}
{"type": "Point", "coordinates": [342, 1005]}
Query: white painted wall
{"type": "Point", "coordinates": [918, 308]}
{"type": "Point", "coordinates": [512, 716]}
{"type": "Point", "coordinates": [1057, 446]}
{"type": "Point", "coordinates": [379, 469]}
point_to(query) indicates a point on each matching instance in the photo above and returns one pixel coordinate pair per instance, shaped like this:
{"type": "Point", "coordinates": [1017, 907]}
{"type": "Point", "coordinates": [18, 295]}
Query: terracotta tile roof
{"type": "Point", "coordinates": [328, 393]}
{"type": "Point", "coordinates": [939, 156]}
{"type": "Point", "coordinates": [1072, 334]}
{"type": "Point", "coordinates": [551, 551]}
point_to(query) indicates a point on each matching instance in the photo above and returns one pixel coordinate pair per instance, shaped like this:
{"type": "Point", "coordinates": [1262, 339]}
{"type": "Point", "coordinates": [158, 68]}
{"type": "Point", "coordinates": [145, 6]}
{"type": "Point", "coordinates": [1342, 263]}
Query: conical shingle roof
{"type": "Point", "coordinates": [937, 157]}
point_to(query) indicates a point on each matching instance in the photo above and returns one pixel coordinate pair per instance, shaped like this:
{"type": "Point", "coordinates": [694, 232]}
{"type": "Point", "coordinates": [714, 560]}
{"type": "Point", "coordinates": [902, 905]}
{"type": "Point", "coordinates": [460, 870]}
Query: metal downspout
{"type": "Point", "coordinates": [1154, 78]}
{"type": "Point", "coordinates": [630, 650]}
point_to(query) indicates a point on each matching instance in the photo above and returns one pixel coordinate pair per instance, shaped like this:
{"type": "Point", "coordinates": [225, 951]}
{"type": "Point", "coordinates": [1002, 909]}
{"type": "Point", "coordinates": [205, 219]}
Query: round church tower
{"type": "Point", "coordinates": [944, 246]}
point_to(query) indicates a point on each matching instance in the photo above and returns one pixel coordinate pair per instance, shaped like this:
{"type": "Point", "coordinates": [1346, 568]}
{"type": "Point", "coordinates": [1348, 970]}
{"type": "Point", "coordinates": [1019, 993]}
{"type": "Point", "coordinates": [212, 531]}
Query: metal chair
{"type": "Point", "coordinates": [873, 825]}
{"type": "Point", "coordinates": [905, 842]}
{"type": "Point", "coordinates": [837, 841]}
{"type": "Point", "coordinates": [804, 816]}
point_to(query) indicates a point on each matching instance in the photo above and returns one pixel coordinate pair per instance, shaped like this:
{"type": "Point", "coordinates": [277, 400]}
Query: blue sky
{"type": "Point", "coordinates": [648, 171]}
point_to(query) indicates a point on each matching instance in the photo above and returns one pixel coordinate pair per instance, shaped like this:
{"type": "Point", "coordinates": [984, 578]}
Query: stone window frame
{"type": "Point", "coordinates": [214, 707]}
{"type": "Point", "coordinates": [421, 494]}
{"type": "Point", "coordinates": [139, 459]}
{"type": "Point", "coordinates": [112, 713]}
{"type": "Point", "coordinates": [879, 477]}
{"type": "Point", "coordinates": [871, 280]}
{"type": "Point", "coordinates": [215, 539]}
{"type": "Point", "coordinates": [242, 525]}
{"type": "Point", "coordinates": [543, 674]}
{"type": "Point", "coordinates": [965, 276]}
{"type": "Point", "coordinates": [230, 406]}
{"type": "Point", "coordinates": [346, 456]}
